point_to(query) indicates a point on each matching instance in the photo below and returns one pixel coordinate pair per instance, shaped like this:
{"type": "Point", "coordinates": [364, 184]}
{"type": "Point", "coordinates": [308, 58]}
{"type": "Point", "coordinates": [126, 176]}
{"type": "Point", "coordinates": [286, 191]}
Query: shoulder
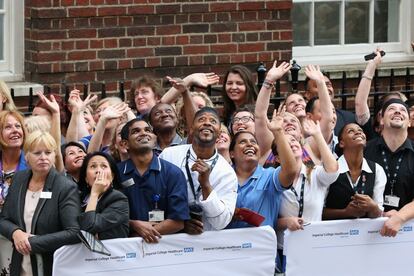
{"type": "Point", "coordinates": [174, 150]}
{"type": "Point", "coordinates": [61, 182]}
{"type": "Point", "coordinates": [114, 195]}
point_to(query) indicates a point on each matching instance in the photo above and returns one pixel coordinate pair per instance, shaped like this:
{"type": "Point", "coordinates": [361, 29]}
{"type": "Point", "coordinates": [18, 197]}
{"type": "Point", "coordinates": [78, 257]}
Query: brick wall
{"type": "Point", "coordinates": [106, 41]}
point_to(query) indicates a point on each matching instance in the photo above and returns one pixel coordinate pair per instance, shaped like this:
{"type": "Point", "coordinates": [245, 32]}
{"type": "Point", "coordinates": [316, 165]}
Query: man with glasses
{"type": "Point", "coordinates": [212, 183]}
{"type": "Point", "coordinates": [243, 119]}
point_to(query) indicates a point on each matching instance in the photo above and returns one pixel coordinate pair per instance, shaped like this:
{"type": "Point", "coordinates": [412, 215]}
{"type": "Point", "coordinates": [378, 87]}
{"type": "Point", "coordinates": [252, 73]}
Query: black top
{"type": "Point", "coordinates": [54, 222]}
{"type": "Point", "coordinates": [110, 220]}
{"type": "Point", "coordinates": [343, 117]}
{"type": "Point", "coordinates": [404, 182]}
{"type": "Point", "coordinates": [341, 191]}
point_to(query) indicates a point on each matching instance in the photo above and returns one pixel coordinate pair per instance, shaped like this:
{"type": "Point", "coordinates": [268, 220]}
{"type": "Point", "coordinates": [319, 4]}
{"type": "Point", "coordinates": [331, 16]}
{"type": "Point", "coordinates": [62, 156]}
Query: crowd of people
{"type": "Point", "coordinates": [168, 163]}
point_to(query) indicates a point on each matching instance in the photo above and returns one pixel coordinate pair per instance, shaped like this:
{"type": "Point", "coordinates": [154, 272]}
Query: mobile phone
{"type": "Point", "coordinates": [373, 55]}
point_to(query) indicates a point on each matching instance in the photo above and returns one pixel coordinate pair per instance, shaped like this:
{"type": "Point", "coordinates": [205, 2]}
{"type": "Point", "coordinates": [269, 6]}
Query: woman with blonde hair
{"type": "Point", "coordinates": [40, 213]}
{"type": "Point", "coordinates": [6, 101]}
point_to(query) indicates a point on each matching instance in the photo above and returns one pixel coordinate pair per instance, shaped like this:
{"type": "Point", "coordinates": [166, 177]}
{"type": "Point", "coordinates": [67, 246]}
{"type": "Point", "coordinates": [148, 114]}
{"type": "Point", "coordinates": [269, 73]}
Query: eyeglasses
{"type": "Point", "coordinates": [244, 119]}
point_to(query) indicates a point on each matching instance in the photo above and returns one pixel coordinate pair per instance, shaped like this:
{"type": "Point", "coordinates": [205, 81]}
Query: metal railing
{"type": "Point", "coordinates": [344, 94]}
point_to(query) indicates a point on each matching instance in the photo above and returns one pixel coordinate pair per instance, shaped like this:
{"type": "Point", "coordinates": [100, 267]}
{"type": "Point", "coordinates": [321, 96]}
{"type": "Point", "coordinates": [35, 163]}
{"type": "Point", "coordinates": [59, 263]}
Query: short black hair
{"type": "Point", "coordinates": [311, 104]}
{"type": "Point", "coordinates": [206, 109]}
{"type": "Point", "coordinates": [70, 144]}
{"type": "Point", "coordinates": [125, 128]}
{"type": "Point", "coordinates": [83, 186]}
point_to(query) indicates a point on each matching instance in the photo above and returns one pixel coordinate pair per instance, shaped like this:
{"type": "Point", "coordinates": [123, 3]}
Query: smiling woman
{"type": "Point", "coordinates": [238, 90]}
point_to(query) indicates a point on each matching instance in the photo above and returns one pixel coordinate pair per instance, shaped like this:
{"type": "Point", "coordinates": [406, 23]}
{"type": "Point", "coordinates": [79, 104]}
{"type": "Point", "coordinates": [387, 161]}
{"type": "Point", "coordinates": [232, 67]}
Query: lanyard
{"type": "Point", "coordinates": [300, 199]}
{"type": "Point", "coordinates": [359, 187]}
{"type": "Point", "coordinates": [190, 179]}
{"type": "Point", "coordinates": [392, 179]}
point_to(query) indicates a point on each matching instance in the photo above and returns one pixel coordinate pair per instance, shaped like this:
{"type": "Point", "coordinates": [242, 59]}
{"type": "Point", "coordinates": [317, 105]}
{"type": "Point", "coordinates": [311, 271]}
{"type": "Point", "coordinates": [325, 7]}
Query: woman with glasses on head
{"type": "Point", "coordinates": [40, 212]}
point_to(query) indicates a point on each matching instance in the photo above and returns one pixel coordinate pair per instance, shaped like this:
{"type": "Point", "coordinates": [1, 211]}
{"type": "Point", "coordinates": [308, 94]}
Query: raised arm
{"type": "Point", "coordinates": [362, 113]}
{"type": "Point", "coordinates": [314, 130]}
{"type": "Point", "coordinates": [77, 128]}
{"type": "Point", "coordinates": [53, 108]}
{"type": "Point", "coordinates": [111, 112]}
{"type": "Point", "coordinates": [263, 134]}
{"type": "Point", "coordinates": [326, 106]}
{"type": "Point", "coordinates": [190, 108]}
{"type": "Point", "coordinates": [198, 79]}
{"type": "Point", "coordinates": [288, 162]}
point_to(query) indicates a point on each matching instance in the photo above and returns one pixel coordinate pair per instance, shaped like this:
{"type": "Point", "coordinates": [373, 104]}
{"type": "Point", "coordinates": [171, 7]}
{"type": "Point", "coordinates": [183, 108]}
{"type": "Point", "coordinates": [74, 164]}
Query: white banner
{"type": "Point", "coordinates": [248, 251]}
{"type": "Point", "coordinates": [349, 247]}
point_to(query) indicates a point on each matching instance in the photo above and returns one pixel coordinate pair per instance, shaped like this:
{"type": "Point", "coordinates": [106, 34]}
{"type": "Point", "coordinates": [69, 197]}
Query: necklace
{"type": "Point", "coordinates": [34, 194]}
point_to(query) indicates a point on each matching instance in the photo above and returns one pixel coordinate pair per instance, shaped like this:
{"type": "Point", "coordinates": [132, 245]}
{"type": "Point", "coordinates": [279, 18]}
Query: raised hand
{"type": "Point", "coordinates": [115, 112]}
{"type": "Point", "coordinates": [314, 73]}
{"type": "Point", "coordinates": [178, 84]}
{"type": "Point", "coordinates": [310, 128]}
{"type": "Point", "coordinates": [202, 79]}
{"type": "Point", "coordinates": [77, 103]}
{"type": "Point", "coordinates": [277, 72]}
{"type": "Point", "coordinates": [51, 104]}
{"type": "Point", "coordinates": [377, 59]}
{"type": "Point", "coordinates": [276, 124]}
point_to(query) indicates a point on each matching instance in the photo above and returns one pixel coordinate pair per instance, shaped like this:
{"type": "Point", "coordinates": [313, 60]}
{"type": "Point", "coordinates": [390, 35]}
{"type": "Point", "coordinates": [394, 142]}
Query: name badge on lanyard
{"type": "Point", "coordinates": [391, 200]}
{"type": "Point", "coordinates": [156, 215]}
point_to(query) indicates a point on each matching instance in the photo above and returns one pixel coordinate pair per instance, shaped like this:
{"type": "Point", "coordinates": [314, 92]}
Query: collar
{"type": "Point", "coordinates": [193, 155]}
{"type": "Point", "coordinates": [155, 165]}
{"type": "Point", "coordinates": [343, 165]}
{"type": "Point", "coordinates": [177, 140]}
{"type": "Point", "coordinates": [407, 145]}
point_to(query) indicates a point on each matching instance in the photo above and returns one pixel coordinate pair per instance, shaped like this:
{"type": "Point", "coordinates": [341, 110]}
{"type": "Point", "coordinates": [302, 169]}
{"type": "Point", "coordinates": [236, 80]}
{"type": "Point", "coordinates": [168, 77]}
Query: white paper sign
{"type": "Point", "coordinates": [249, 251]}
{"type": "Point", "coordinates": [349, 247]}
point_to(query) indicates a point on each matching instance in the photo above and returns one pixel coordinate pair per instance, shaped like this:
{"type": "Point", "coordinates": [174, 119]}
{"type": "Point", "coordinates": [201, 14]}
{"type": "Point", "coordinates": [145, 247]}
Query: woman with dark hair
{"type": "Point", "coordinates": [106, 209]}
{"type": "Point", "coordinates": [358, 191]}
{"type": "Point", "coordinates": [260, 189]}
{"type": "Point", "coordinates": [73, 154]}
{"type": "Point", "coordinates": [238, 90]}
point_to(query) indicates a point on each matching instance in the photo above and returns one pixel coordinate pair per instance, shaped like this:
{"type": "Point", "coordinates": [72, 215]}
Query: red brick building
{"type": "Point", "coordinates": [107, 41]}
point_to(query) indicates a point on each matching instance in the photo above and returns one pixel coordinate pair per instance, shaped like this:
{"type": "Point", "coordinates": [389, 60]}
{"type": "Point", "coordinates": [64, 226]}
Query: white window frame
{"type": "Point", "coordinates": [331, 56]}
{"type": "Point", "coordinates": [11, 68]}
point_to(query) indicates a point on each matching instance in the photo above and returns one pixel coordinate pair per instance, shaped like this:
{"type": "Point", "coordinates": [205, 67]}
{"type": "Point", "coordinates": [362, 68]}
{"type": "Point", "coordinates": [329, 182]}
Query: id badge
{"type": "Point", "coordinates": [391, 200]}
{"type": "Point", "coordinates": [156, 215]}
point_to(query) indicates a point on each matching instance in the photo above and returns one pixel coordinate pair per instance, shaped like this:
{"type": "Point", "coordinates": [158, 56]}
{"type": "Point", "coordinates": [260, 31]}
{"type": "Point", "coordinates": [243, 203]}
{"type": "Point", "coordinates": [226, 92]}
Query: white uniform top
{"type": "Point", "coordinates": [218, 207]}
{"type": "Point", "coordinates": [314, 194]}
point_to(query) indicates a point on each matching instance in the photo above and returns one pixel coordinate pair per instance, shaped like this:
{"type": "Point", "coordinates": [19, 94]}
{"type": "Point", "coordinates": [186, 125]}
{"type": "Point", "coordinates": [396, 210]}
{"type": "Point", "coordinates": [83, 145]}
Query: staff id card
{"type": "Point", "coordinates": [156, 215]}
{"type": "Point", "coordinates": [391, 200]}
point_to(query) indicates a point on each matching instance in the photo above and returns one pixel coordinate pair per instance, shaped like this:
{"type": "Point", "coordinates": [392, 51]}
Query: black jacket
{"type": "Point", "coordinates": [54, 222]}
{"type": "Point", "coordinates": [110, 220]}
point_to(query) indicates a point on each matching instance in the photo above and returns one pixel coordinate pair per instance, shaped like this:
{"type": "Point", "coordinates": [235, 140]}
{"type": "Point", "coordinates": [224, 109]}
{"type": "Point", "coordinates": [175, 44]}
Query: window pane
{"type": "Point", "coordinates": [1, 36]}
{"type": "Point", "coordinates": [386, 18]}
{"type": "Point", "coordinates": [356, 22]}
{"type": "Point", "coordinates": [300, 21]}
{"type": "Point", "coordinates": [1, 4]}
{"type": "Point", "coordinates": [327, 23]}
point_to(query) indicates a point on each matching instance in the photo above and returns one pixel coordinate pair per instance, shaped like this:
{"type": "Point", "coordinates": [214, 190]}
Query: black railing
{"type": "Point", "coordinates": [342, 94]}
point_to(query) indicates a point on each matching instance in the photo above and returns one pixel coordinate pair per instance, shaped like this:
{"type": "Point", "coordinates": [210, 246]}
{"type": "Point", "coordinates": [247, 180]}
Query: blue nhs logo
{"type": "Point", "coordinates": [353, 232]}
{"type": "Point", "coordinates": [188, 249]}
{"type": "Point", "coordinates": [247, 245]}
